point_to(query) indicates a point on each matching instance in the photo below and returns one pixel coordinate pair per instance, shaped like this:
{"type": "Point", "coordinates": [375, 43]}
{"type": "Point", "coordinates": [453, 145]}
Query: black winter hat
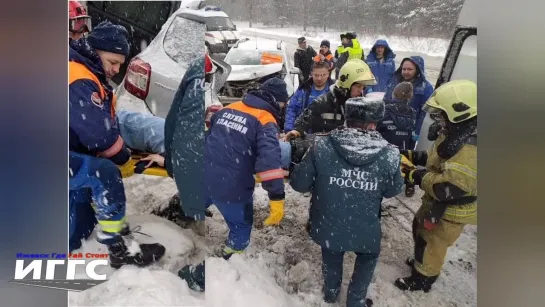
{"type": "Point", "coordinates": [109, 37]}
{"type": "Point", "coordinates": [365, 109]}
{"type": "Point", "coordinates": [277, 87]}
{"type": "Point", "coordinates": [326, 43]}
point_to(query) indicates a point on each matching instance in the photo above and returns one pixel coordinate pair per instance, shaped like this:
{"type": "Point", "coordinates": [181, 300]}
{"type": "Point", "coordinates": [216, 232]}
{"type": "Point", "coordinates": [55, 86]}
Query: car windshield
{"type": "Point", "coordinates": [219, 24]}
{"type": "Point", "coordinates": [248, 56]}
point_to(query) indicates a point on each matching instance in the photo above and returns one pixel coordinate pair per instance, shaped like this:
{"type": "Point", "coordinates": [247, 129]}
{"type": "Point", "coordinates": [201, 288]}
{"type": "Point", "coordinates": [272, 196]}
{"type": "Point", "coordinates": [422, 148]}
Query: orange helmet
{"type": "Point", "coordinates": [79, 21]}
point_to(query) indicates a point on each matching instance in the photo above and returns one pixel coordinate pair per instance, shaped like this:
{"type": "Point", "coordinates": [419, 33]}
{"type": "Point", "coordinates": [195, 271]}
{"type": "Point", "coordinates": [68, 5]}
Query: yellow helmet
{"type": "Point", "coordinates": [458, 99]}
{"type": "Point", "coordinates": [355, 71]}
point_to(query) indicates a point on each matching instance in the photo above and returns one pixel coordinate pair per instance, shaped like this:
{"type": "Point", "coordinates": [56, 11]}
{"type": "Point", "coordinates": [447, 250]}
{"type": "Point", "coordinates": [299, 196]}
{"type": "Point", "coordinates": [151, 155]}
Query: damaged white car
{"type": "Point", "coordinates": [254, 61]}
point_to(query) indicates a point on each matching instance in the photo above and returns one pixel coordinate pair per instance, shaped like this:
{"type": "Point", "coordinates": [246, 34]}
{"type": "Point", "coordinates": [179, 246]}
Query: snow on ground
{"type": "Point", "coordinates": [430, 46]}
{"type": "Point", "coordinates": [289, 256]}
{"type": "Point", "coordinates": [281, 267]}
{"type": "Point", "coordinates": [157, 285]}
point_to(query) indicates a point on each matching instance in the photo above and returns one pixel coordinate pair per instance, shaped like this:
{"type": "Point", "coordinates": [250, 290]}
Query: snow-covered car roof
{"type": "Point", "coordinates": [203, 13]}
{"type": "Point", "coordinates": [263, 44]}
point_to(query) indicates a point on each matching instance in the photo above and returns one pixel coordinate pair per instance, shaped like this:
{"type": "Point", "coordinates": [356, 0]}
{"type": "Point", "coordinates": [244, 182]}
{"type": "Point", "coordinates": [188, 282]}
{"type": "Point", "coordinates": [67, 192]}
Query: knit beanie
{"type": "Point", "coordinates": [277, 87]}
{"type": "Point", "coordinates": [109, 37]}
{"type": "Point", "coordinates": [364, 109]}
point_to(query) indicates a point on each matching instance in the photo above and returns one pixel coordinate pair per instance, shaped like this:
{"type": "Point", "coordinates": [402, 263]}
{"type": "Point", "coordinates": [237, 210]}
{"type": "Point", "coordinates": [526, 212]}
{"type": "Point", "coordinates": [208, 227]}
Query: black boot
{"type": "Point", "coordinates": [121, 255]}
{"type": "Point", "coordinates": [409, 190]}
{"type": "Point", "coordinates": [175, 213]}
{"type": "Point", "coordinates": [368, 302]}
{"type": "Point", "coordinates": [194, 276]}
{"type": "Point", "coordinates": [415, 282]}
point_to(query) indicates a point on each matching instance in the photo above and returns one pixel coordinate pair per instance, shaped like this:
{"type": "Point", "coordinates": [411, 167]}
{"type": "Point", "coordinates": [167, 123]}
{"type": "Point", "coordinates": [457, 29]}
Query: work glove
{"type": "Point", "coordinates": [416, 138]}
{"type": "Point", "coordinates": [127, 169]}
{"type": "Point", "coordinates": [276, 213]}
{"type": "Point", "coordinates": [408, 154]}
{"type": "Point", "coordinates": [434, 215]}
{"type": "Point", "coordinates": [412, 175]}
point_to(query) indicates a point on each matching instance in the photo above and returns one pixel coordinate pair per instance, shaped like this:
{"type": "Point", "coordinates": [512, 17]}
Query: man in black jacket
{"type": "Point", "coordinates": [327, 111]}
{"type": "Point", "coordinates": [303, 58]}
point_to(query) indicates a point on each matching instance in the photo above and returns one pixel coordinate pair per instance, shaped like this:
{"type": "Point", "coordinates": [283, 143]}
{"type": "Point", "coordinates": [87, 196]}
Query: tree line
{"type": "Point", "coordinates": [420, 18]}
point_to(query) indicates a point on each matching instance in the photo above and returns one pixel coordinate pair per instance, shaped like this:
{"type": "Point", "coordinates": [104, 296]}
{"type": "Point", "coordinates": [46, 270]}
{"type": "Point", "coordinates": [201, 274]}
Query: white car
{"type": "Point", "coordinates": [153, 76]}
{"type": "Point", "coordinates": [221, 33]}
{"type": "Point", "coordinates": [252, 62]}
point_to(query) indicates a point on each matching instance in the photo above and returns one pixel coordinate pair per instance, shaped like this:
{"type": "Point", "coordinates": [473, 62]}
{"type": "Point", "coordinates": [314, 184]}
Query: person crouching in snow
{"type": "Point", "coordinates": [399, 122]}
{"type": "Point", "coordinates": [243, 141]}
{"type": "Point", "coordinates": [349, 171]}
{"type": "Point", "coordinates": [99, 180]}
{"type": "Point", "coordinates": [93, 137]}
{"type": "Point", "coordinates": [449, 181]}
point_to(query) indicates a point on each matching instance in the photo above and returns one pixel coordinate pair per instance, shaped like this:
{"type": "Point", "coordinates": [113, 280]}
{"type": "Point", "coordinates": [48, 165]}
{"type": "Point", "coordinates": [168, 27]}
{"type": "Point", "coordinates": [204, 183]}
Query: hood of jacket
{"type": "Point", "coordinates": [402, 114]}
{"type": "Point", "coordinates": [80, 52]}
{"type": "Point", "coordinates": [419, 81]}
{"type": "Point", "coordinates": [358, 147]}
{"type": "Point", "coordinates": [262, 100]}
{"type": "Point", "coordinates": [388, 52]}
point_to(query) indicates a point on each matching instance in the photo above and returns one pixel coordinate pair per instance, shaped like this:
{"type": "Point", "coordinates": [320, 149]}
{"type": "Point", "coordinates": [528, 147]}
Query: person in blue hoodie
{"type": "Point", "coordinates": [317, 85]}
{"type": "Point", "coordinates": [98, 154]}
{"type": "Point", "coordinates": [381, 60]}
{"type": "Point", "coordinates": [412, 70]}
{"type": "Point", "coordinates": [349, 171]}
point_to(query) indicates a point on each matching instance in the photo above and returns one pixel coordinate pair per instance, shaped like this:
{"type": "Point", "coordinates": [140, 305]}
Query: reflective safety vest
{"type": "Point", "coordinates": [78, 71]}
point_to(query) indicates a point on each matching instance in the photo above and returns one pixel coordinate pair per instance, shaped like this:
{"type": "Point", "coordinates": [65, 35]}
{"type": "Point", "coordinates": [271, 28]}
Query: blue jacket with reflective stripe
{"type": "Point", "coordinates": [243, 141]}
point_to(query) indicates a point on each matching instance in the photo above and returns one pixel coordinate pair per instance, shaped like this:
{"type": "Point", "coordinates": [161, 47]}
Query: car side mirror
{"type": "Point", "coordinates": [295, 71]}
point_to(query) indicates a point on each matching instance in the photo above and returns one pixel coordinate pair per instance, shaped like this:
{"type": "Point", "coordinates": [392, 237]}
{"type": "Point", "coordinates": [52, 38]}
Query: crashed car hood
{"type": "Point", "coordinates": [250, 72]}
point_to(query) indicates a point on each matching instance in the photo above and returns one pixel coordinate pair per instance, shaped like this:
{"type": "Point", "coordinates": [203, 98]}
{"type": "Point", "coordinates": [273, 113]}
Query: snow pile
{"type": "Point", "coordinates": [131, 286]}
{"type": "Point", "coordinates": [244, 282]}
{"type": "Point", "coordinates": [157, 285]}
{"type": "Point", "coordinates": [281, 267]}
{"type": "Point", "coordinates": [429, 46]}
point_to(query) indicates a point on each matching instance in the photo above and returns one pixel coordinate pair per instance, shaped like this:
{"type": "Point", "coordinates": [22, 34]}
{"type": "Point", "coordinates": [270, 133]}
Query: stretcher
{"type": "Point", "coordinates": [153, 170]}
{"type": "Point", "coordinates": [156, 170]}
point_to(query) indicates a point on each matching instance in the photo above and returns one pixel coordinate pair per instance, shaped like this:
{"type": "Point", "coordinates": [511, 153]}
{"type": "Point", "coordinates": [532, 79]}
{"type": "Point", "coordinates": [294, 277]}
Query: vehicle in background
{"type": "Point", "coordinates": [221, 33]}
{"type": "Point", "coordinates": [254, 61]}
{"type": "Point", "coordinates": [143, 20]}
{"type": "Point", "coordinates": [460, 61]}
{"type": "Point", "coordinates": [153, 76]}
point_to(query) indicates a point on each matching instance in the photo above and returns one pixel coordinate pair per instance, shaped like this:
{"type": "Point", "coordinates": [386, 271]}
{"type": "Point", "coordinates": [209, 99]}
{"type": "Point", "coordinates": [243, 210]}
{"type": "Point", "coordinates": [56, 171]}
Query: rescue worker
{"type": "Point", "coordinates": [449, 181]}
{"type": "Point", "coordinates": [349, 171]}
{"type": "Point", "coordinates": [93, 132]}
{"type": "Point", "coordinates": [79, 23]}
{"type": "Point", "coordinates": [308, 91]}
{"type": "Point", "coordinates": [398, 125]}
{"type": "Point", "coordinates": [412, 70]}
{"type": "Point", "coordinates": [350, 49]}
{"type": "Point", "coordinates": [243, 141]}
{"type": "Point", "coordinates": [381, 60]}
{"type": "Point", "coordinates": [303, 58]}
{"type": "Point", "coordinates": [326, 113]}
{"type": "Point", "coordinates": [325, 55]}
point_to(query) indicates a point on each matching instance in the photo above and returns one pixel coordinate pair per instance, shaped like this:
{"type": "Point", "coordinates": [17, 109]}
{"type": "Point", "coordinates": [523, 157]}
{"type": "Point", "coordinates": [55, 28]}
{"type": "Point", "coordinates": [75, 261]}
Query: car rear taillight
{"type": "Point", "coordinates": [209, 112]}
{"type": "Point", "coordinates": [138, 78]}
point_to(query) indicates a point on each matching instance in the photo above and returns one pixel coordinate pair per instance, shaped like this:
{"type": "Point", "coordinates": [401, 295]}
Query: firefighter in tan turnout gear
{"type": "Point", "coordinates": [449, 181]}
